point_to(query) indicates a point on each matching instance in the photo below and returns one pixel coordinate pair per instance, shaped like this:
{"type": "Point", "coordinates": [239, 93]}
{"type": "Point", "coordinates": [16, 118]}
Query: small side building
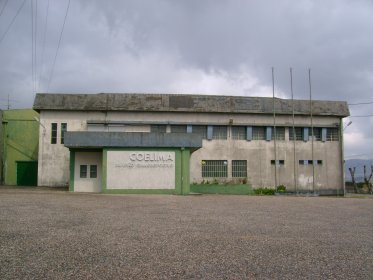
{"type": "Point", "coordinates": [262, 142]}
{"type": "Point", "coordinates": [19, 147]}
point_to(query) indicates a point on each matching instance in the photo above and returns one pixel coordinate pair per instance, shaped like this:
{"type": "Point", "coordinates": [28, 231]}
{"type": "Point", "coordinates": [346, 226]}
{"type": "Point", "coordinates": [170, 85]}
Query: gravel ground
{"type": "Point", "coordinates": [46, 234]}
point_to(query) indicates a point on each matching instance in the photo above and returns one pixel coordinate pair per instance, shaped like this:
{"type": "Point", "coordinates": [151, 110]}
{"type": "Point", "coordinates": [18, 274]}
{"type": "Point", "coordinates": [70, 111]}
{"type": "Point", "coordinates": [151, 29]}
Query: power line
{"type": "Point", "coordinates": [58, 47]}
{"type": "Point", "coordinates": [362, 116]}
{"type": "Point", "coordinates": [362, 103]}
{"type": "Point", "coordinates": [43, 48]}
{"type": "Point", "coordinates": [359, 155]}
{"type": "Point", "coordinates": [11, 23]}
{"type": "Point", "coordinates": [2, 10]}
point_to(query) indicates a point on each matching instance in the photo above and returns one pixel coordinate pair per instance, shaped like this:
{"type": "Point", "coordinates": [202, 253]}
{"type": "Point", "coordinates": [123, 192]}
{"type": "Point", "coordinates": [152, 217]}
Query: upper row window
{"type": "Point", "coordinates": [54, 129]}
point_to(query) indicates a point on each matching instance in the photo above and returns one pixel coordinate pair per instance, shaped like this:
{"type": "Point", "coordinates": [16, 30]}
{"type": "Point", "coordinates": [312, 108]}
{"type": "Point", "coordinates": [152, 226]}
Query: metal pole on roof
{"type": "Point", "coordinates": [274, 124]}
{"type": "Point", "coordinates": [312, 133]}
{"type": "Point", "coordinates": [294, 135]}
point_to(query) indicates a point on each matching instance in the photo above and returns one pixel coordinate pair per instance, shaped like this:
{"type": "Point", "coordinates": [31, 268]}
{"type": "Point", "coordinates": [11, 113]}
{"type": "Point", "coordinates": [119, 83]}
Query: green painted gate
{"type": "Point", "coordinates": [27, 173]}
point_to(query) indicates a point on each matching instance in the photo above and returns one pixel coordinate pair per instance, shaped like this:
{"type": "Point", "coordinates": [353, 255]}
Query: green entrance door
{"type": "Point", "coordinates": [27, 173]}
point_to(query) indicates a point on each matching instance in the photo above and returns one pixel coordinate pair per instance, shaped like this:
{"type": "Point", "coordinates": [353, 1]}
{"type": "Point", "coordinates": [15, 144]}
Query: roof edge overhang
{"type": "Point", "coordinates": [128, 102]}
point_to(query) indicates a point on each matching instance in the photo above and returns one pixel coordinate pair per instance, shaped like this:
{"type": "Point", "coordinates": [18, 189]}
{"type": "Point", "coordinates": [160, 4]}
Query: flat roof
{"type": "Point", "coordinates": [136, 102]}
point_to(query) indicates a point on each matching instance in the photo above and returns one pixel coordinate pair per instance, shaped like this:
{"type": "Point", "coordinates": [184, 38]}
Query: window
{"type": "Point", "coordinates": [298, 133]}
{"type": "Point", "coordinates": [280, 133]}
{"type": "Point", "coordinates": [54, 133]}
{"type": "Point", "coordinates": [310, 162]}
{"type": "Point", "coordinates": [239, 168]}
{"type": "Point", "coordinates": [83, 171]}
{"type": "Point", "coordinates": [158, 128]}
{"type": "Point", "coordinates": [332, 134]}
{"type": "Point", "coordinates": [214, 168]}
{"type": "Point", "coordinates": [200, 130]}
{"type": "Point", "coordinates": [178, 129]}
{"type": "Point", "coordinates": [239, 132]}
{"type": "Point", "coordinates": [63, 130]}
{"type": "Point", "coordinates": [93, 171]}
{"type": "Point", "coordinates": [259, 133]}
{"type": "Point", "coordinates": [316, 133]}
{"type": "Point", "coordinates": [219, 132]}
{"type": "Point", "coordinates": [279, 162]}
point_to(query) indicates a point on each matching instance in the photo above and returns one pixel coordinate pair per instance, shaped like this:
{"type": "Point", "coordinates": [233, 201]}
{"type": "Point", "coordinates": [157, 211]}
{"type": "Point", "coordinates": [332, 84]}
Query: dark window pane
{"type": "Point", "coordinates": [63, 130]}
{"type": "Point", "coordinates": [160, 128]}
{"type": "Point", "coordinates": [219, 132]}
{"type": "Point", "coordinates": [178, 128]}
{"type": "Point", "coordinates": [239, 132]}
{"type": "Point", "coordinates": [200, 130]}
{"type": "Point", "coordinates": [54, 133]}
{"type": "Point", "coordinates": [259, 132]}
{"type": "Point", "coordinates": [83, 171]}
{"type": "Point", "coordinates": [93, 171]}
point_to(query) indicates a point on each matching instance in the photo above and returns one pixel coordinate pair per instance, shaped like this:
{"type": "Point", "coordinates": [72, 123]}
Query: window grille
{"type": "Point", "coordinates": [219, 132]}
{"type": "Point", "coordinates": [214, 168]}
{"type": "Point", "coordinates": [332, 134]}
{"type": "Point", "coordinates": [83, 171]}
{"type": "Point", "coordinates": [93, 171]}
{"type": "Point", "coordinates": [298, 133]}
{"type": "Point", "coordinates": [239, 132]}
{"type": "Point", "coordinates": [63, 130]}
{"type": "Point", "coordinates": [158, 128]}
{"type": "Point", "coordinates": [280, 133]}
{"type": "Point", "coordinates": [178, 128]}
{"type": "Point", "coordinates": [259, 132]}
{"type": "Point", "coordinates": [54, 133]}
{"type": "Point", "coordinates": [316, 133]}
{"type": "Point", "coordinates": [239, 168]}
{"type": "Point", "coordinates": [200, 130]}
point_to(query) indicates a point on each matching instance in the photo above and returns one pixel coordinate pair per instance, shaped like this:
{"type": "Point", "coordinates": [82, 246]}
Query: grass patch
{"type": "Point", "coordinates": [221, 189]}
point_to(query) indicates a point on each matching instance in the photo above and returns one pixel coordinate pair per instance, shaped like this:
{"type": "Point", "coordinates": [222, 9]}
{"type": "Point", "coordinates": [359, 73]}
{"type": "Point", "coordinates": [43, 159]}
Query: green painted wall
{"type": "Point", "coordinates": [20, 138]}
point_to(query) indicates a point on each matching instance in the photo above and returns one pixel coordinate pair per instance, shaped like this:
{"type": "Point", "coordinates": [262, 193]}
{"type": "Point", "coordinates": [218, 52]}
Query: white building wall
{"type": "Point", "coordinates": [54, 158]}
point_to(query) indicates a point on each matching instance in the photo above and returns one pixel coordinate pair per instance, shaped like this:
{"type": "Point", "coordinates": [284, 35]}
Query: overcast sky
{"type": "Point", "coordinates": [194, 46]}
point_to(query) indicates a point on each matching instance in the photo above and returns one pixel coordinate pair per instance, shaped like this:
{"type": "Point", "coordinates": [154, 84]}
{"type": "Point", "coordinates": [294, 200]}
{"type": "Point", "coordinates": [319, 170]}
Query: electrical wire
{"type": "Point", "coordinates": [32, 47]}
{"type": "Point", "coordinates": [11, 23]}
{"type": "Point", "coordinates": [358, 155]}
{"type": "Point", "coordinates": [43, 48]}
{"type": "Point", "coordinates": [58, 47]}
{"type": "Point", "coordinates": [2, 10]}
{"type": "Point", "coordinates": [362, 103]}
{"type": "Point", "coordinates": [361, 116]}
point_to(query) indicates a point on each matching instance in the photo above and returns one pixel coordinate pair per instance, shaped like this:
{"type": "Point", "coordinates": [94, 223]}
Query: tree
{"type": "Point", "coordinates": [367, 179]}
{"type": "Point", "coordinates": [352, 172]}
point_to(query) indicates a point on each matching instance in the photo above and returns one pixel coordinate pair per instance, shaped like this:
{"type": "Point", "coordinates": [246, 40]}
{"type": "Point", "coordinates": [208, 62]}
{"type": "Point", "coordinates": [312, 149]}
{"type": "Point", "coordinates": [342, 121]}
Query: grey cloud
{"type": "Point", "coordinates": [205, 46]}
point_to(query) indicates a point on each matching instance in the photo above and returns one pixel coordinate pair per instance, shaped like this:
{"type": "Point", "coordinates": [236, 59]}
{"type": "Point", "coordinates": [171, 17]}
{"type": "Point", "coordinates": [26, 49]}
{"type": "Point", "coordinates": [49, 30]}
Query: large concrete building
{"type": "Point", "coordinates": [162, 143]}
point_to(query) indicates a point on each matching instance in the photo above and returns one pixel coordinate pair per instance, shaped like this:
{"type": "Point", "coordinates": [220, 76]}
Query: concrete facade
{"type": "Point", "coordinates": [310, 163]}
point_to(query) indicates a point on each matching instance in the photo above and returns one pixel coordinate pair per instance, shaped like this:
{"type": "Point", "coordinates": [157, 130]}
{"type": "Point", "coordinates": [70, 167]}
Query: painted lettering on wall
{"type": "Point", "coordinates": [141, 169]}
{"type": "Point", "coordinates": [151, 157]}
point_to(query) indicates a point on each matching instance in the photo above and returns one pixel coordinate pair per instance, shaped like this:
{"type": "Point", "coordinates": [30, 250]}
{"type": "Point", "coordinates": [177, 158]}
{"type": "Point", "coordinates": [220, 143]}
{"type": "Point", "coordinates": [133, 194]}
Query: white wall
{"type": "Point", "coordinates": [88, 184]}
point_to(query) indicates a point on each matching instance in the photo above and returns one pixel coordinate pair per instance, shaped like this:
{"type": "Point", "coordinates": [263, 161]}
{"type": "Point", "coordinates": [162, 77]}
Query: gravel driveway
{"type": "Point", "coordinates": [46, 234]}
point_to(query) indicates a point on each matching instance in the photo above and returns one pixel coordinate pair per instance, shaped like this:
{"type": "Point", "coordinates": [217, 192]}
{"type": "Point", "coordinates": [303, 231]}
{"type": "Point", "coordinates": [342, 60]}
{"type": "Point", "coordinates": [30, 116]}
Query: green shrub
{"type": "Point", "coordinates": [281, 189]}
{"type": "Point", "coordinates": [264, 191]}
